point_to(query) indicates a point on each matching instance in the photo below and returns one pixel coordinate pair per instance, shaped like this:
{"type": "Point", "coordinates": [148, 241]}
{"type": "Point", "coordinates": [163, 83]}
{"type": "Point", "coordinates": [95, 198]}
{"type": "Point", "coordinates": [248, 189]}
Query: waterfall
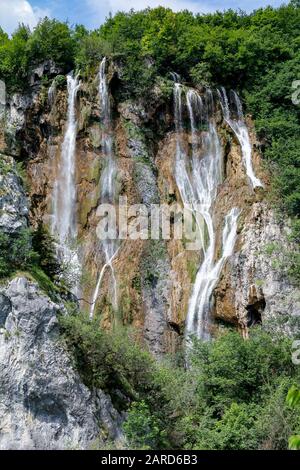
{"type": "Point", "coordinates": [239, 127]}
{"type": "Point", "coordinates": [52, 93]}
{"type": "Point", "coordinates": [197, 179]}
{"type": "Point", "coordinates": [207, 279]}
{"type": "Point", "coordinates": [64, 193]}
{"type": "Point", "coordinates": [107, 183]}
{"type": "Point", "coordinates": [64, 197]}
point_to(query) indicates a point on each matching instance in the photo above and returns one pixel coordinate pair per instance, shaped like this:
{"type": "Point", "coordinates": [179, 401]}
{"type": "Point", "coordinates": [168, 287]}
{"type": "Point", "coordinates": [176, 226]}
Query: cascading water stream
{"type": "Point", "coordinates": [197, 180]}
{"type": "Point", "coordinates": [239, 127]}
{"type": "Point", "coordinates": [64, 200]}
{"type": "Point", "coordinates": [52, 93]}
{"type": "Point", "coordinates": [64, 193]}
{"type": "Point", "coordinates": [110, 247]}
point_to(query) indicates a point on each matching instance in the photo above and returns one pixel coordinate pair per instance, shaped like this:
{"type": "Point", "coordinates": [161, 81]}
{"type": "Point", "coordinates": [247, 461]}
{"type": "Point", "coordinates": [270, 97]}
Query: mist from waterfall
{"type": "Point", "coordinates": [239, 127]}
{"type": "Point", "coordinates": [197, 179]}
{"type": "Point", "coordinates": [110, 247]}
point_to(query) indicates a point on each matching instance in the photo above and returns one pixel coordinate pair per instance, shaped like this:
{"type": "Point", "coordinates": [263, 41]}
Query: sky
{"type": "Point", "coordinates": [92, 13]}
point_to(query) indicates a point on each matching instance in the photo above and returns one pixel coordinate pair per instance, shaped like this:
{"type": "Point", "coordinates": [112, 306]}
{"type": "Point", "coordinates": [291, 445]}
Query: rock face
{"type": "Point", "coordinates": [13, 202]}
{"type": "Point", "coordinates": [43, 403]}
{"type": "Point", "coordinates": [254, 287]}
{"type": "Point", "coordinates": [154, 278]}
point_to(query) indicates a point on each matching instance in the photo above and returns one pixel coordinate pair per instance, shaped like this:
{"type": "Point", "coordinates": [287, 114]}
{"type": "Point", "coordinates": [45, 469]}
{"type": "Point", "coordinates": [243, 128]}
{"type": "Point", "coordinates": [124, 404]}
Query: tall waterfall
{"type": "Point", "coordinates": [64, 196]}
{"type": "Point", "coordinates": [197, 179]}
{"type": "Point", "coordinates": [108, 188]}
{"type": "Point", "coordinates": [64, 193]}
{"type": "Point", "coordinates": [239, 127]}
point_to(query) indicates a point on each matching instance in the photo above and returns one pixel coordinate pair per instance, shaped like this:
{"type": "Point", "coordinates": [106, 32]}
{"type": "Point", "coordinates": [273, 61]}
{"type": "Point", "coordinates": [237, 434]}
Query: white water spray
{"type": "Point", "coordinates": [239, 127]}
{"type": "Point", "coordinates": [108, 189]}
{"type": "Point", "coordinates": [197, 180]}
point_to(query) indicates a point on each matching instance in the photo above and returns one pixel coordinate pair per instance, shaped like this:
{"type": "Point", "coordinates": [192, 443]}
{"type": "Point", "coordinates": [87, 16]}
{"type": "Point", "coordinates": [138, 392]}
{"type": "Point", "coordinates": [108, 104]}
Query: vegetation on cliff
{"type": "Point", "coordinates": [232, 397]}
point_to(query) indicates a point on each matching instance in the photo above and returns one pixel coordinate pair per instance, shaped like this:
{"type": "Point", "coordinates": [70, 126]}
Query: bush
{"type": "Point", "coordinates": [16, 252]}
{"type": "Point", "coordinates": [232, 396]}
{"type": "Point", "coordinates": [51, 39]}
{"type": "Point", "coordinates": [142, 430]}
{"type": "Point", "coordinates": [234, 370]}
{"type": "Point", "coordinates": [44, 243]}
{"type": "Point", "coordinates": [107, 360]}
{"type": "Point", "coordinates": [293, 400]}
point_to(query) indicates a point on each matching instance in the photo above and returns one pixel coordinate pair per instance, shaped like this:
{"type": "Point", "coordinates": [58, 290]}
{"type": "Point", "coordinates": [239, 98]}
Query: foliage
{"type": "Point", "coordinates": [44, 243]}
{"type": "Point", "coordinates": [50, 40]}
{"type": "Point", "coordinates": [34, 254]}
{"type": "Point", "coordinates": [109, 361]}
{"type": "Point", "coordinates": [16, 252]}
{"type": "Point", "coordinates": [142, 429]}
{"type": "Point", "coordinates": [239, 394]}
{"type": "Point", "coordinates": [293, 400]}
{"type": "Point", "coordinates": [231, 397]}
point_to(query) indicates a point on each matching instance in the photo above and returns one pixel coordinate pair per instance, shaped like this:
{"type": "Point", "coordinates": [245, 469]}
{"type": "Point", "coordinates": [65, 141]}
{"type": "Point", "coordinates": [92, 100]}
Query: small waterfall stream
{"type": "Point", "coordinates": [110, 247]}
{"type": "Point", "coordinates": [197, 179]}
{"type": "Point", "coordinates": [239, 127]}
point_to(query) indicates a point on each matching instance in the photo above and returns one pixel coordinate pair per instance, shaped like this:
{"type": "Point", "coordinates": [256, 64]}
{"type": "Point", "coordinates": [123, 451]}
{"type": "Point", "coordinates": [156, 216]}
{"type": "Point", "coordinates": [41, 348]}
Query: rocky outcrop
{"type": "Point", "coordinates": [13, 202]}
{"type": "Point", "coordinates": [43, 403]}
{"type": "Point", "coordinates": [254, 287]}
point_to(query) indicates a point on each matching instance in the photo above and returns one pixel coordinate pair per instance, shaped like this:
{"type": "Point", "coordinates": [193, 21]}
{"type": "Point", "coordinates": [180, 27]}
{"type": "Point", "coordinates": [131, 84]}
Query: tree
{"type": "Point", "coordinates": [293, 400]}
{"type": "Point", "coordinates": [142, 429]}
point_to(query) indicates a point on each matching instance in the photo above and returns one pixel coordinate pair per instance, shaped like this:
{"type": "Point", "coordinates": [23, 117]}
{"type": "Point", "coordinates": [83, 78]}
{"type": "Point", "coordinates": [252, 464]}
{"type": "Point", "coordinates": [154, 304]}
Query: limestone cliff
{"type": "Point", "coordinates": [155, 278]}
{"type": "Point", "coordinates": [43, 403]}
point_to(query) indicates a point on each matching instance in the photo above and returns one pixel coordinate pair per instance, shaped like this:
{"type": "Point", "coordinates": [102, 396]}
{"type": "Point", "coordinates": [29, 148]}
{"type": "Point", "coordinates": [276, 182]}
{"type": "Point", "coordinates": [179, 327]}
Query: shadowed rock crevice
{"type": "Point", "coordinates": [255, 311]}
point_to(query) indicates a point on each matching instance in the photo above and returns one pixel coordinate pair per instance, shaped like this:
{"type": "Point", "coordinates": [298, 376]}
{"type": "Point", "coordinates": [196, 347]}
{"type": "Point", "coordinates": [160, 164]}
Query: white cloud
{"type": "Point", "coordinates": [13, 12]}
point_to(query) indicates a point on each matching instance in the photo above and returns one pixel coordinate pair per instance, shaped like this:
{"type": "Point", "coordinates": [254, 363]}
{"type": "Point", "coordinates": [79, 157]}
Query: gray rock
{"type": "Point", "coordinates": [13, 202]}
{"type": "Point", "coordinates": [155, 266]}
{"type": "Point", "coordinates": [146, 184]}
{"type": "Point", "coordinates": [17, 108]}
{"type": "Point", "coordinates": [156, 300]}
{"type": "Point", "coordinates": [260, 285]}
{"type": "Point", "coordinates": [43, 403]}
{"type": "Point", "coordinates": [48, 67]}
{"type": "Point", "coordinates": [135, 112]}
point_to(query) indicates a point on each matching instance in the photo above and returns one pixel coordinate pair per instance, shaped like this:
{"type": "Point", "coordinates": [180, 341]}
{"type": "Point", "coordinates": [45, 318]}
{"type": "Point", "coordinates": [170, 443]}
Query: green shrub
{"type": "Point", "coordinates": [44, 244]}
{"type": "Point", "coordinates": [108, 360]}
{"type": "Point", "coordinates": [293, 400]}
{"type": "Point", "coordinates": [142, 430]}
{"type": "Point", "coordinates": [232, 396]}
{"type": "Point", "coordinates": [16, 252]}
